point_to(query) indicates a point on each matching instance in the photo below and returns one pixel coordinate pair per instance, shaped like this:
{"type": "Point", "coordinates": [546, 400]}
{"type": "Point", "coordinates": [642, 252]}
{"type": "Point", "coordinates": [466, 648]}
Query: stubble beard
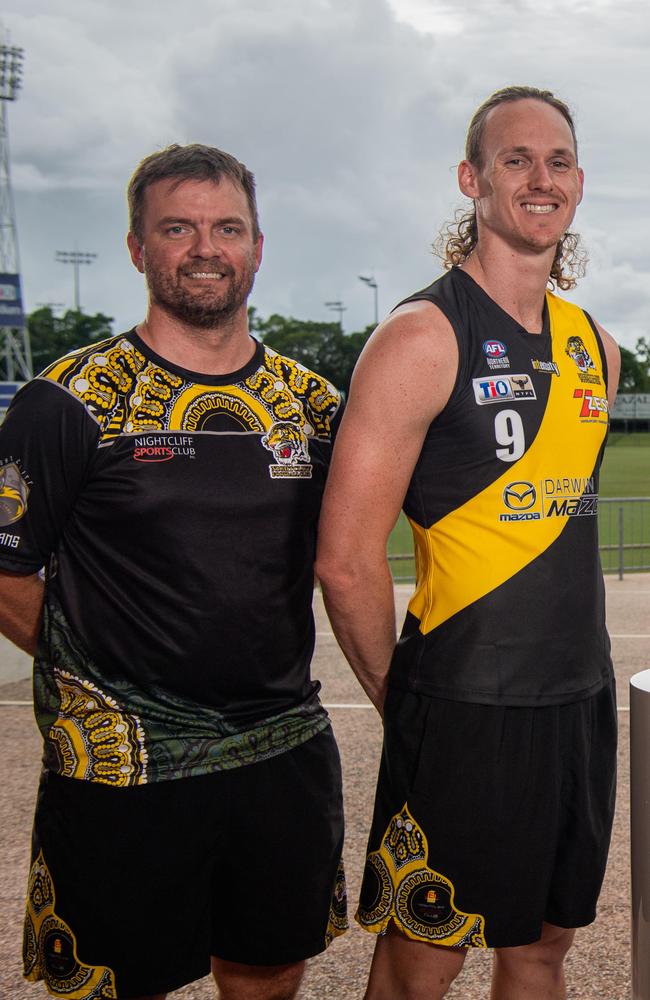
{"type": "Point", "coordinates": [205, 307]}
{"type": "Point", "coordinates": [540, 243]}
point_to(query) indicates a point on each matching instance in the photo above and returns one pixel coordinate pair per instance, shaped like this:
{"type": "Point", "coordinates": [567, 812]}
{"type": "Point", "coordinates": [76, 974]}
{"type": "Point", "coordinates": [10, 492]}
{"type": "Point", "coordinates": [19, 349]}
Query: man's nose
{"type": "Point", "coordinates": [540, 177]}
{"type": "Point", "coordinates": [204, 243]}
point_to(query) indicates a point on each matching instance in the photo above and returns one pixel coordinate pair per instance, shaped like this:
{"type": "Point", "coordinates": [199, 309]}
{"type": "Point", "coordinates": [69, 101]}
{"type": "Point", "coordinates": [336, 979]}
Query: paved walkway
{"type": "Point", "coordinates": [598, 967]}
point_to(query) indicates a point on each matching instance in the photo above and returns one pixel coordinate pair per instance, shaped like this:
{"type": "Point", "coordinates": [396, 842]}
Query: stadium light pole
{"type": "Point", "coordinates": [339, 308]}
{"type": "Point", "coordinates": [372, 283]}
{"type": "Point", "coordinates": [76, 258]}
{"type": "Point", "coordinates": [14, 337]}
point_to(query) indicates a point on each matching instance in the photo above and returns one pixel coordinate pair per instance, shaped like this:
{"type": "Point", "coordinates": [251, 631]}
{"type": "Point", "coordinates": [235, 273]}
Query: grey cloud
{"type": "Point", "coordinates": [352, 121]}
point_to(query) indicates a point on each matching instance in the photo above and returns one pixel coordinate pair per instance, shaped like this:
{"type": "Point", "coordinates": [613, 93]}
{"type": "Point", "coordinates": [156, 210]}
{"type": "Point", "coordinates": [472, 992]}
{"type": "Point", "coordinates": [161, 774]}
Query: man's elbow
{"type": "Point", "coordinates": [335, 574]}
{"type": "Point", "coordinates": [348, 571]}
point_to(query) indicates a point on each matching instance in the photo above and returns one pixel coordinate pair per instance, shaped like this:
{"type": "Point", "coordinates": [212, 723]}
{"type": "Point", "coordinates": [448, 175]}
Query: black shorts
{"type": "Point", "coordinates": [133, 889]}
{"type": "Point", "coordinates": [490, 820]}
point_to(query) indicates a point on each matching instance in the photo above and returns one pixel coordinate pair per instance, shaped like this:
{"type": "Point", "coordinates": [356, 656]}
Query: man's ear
{"type": "Point", "coordinates": [581, 182]}
{"type": "Point", "coordinates": [137, 251]}
{"type": "Point", "coordinates": [258, 251]}
{"type": "Point", "coordinates": [468, 179]}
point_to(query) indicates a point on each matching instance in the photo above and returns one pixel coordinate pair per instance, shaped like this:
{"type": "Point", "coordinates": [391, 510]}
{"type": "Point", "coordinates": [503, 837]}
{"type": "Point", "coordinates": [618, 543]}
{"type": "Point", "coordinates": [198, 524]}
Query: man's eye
{"type": "Point", "coordinates": [229, 230]}
{"type": "Point", "coordinates": [560, 165]}
{"type": "Point", "coordinates": [175, 230]}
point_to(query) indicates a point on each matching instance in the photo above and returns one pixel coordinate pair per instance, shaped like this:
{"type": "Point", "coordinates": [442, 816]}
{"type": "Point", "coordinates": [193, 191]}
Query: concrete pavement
{"type": "Point", "coordinates": [598, 967]}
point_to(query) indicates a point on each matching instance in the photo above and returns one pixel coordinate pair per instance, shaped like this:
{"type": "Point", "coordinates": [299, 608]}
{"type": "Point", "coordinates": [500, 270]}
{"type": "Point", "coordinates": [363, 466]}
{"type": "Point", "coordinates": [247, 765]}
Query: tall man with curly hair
{"type": "Point", "coordinates": [169, 480]}
{"type": "Point", "coordinates": [480, 406]}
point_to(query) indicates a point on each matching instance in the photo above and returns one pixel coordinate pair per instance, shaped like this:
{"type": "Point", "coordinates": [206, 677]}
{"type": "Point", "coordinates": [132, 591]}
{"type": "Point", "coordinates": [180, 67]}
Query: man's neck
{"type": "Point", "coordinates": [516, 282]}
{"type": "Point", "coordinates": [216, 350]}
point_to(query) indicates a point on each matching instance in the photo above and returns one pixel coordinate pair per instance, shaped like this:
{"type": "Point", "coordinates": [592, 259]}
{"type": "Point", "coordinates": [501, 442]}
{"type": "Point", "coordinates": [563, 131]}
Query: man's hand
{"type": "Point", "coordinates": [21, 609]}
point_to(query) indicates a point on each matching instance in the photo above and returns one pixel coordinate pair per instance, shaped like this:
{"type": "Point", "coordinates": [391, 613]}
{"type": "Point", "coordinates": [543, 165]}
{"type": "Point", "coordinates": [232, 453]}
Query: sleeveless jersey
{"type": "Point", "coordinates": [503, 501]}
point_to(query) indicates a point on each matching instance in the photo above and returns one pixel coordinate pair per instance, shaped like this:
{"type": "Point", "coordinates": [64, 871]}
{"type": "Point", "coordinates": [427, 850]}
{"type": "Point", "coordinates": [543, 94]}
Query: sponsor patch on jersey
{"type": "Point", "coordinates": [545, 366]}
{"type": "Point", "coordinates": [288, 444]}
{"type": "Point", "coordinates": [593, 409]}
{"type": "Point", "coordinates": [496, 354]}
{"type": "Point", "coordinates": [494, 349]}
{"type": "Point", "coordinates": [570, 496]}
{"type": "Point", "coordinates": [499, 389]}
{"type": "Point", "coordinates": [577, 351]}
{"type": "Point", "coordinates": [163, 447]}
{"type": "Point", "coordinates": [520, 495]}
{"type": "Point", "coordinates": [14, 493]}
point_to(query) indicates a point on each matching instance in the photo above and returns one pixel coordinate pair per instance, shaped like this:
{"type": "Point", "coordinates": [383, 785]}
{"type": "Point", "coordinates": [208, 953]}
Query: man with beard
{"type": "Point", "coordinates": [168, 480]}
{"type": "Point", "coordinates": [480, 406]}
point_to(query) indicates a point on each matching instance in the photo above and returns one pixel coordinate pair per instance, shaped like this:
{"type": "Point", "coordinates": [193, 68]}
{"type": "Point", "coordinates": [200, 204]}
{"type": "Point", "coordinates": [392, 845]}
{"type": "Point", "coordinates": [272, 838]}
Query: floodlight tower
{"type": "Point", "coordinates": [339, 308]}
{"type": "Point", "coordinates": [16, 358]}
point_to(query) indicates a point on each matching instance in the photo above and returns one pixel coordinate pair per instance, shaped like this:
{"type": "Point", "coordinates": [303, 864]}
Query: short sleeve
{"type": "Point", "coordinates": [47, 442]}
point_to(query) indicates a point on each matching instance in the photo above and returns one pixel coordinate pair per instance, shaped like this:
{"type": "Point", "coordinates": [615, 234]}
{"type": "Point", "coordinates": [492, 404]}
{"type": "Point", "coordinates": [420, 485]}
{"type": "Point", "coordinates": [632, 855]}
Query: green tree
{"type": "Point", "coordinates": [53, 336]}
{"type": "Point", "coordinates": [635, 376]}
{"type": "Point", "coordinates": [643, 357]}
{"type": "Point", "coordinates": [322, 347]}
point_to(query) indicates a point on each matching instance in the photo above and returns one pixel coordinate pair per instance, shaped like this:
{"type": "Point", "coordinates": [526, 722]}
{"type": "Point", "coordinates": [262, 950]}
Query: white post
{"type": "Point", "coordinates": [640, 832]}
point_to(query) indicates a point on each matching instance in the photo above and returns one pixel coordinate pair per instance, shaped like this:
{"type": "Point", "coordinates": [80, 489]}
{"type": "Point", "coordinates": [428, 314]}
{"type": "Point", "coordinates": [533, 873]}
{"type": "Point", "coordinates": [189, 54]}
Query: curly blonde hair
{"type": "Point", "coordinates": [458, 239]}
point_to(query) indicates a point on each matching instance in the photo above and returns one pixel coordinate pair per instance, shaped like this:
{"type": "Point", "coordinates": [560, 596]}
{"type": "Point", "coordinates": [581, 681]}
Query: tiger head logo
{"type": "Point", "coordinates": [13, 494]}
{"type": "Point", "coordinates": [576, 349]}
{"type": "Point", "coordinates": [287, 442]}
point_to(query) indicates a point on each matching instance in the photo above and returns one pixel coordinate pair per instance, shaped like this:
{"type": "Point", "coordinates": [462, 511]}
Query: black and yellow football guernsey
{"type": "Point", "coordinates": [176, 514]}
{"type": "Point", "coordinates": [509, 602]}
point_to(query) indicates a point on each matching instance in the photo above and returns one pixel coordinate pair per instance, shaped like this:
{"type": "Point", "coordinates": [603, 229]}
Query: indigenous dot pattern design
{"type": "Point", "coordinates": [94, 738]}
{"type": "Point", "coordinates": [50, 947]}
{"type": "Point", "coordinates": [126, 393]}
{"type": "Point", "coordinates": [337, 923]}
{"type": "Point", "coordinates": [124, 736]}
{"type": "Point", "coordinates": [399, 885]}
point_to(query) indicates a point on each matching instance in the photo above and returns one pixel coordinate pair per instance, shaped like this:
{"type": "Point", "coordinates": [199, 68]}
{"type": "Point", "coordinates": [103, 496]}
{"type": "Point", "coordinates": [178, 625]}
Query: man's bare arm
{"type": "Point", "coordinates": [21, 609]}
{"type": "Point", "coordinates": [613, 355]}
{"type": "Point", "coordinates": [403, 379]}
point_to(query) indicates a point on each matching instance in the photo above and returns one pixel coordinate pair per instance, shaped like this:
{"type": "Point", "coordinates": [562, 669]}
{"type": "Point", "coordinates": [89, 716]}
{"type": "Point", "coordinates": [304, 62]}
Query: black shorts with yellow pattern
{"type": "Point", "coordinates": [131, 890]}
{"type": "Point", "coordinates": [489, 820]}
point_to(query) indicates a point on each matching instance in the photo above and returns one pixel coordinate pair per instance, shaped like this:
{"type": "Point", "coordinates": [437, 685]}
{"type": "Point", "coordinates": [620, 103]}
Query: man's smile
{"type": "Point", "coordinates": [210, 275]}
{"type": "Point", "coordinates": [536, 209]}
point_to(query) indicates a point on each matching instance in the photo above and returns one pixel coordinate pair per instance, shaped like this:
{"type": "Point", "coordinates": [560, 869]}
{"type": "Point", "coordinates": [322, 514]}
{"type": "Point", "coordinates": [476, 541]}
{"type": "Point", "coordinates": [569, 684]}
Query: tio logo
{"type": "Point", "coordinates": [495, 388]}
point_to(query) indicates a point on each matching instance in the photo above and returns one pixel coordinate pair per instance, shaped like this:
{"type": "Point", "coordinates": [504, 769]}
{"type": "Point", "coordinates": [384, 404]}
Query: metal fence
{"type": "Point", "coordinates": [624, 530]}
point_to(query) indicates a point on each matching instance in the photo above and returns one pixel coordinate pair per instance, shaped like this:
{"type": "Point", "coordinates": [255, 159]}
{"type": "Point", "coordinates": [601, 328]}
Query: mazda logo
{"type": "Point", "coordinates": [519, 496]}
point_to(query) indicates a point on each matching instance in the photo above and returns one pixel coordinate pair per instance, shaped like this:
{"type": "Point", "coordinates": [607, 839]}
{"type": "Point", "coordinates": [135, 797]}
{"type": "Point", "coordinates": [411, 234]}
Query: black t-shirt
{"type": "Point", "coordinates": [176, 515]}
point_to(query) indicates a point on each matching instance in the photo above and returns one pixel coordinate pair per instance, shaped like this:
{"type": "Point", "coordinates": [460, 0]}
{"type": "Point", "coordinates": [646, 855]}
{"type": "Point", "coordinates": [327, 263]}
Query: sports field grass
{"type": "Point", "coordinates": [626, 466]}
{"type": "Point", "coordinates": [625, 473]}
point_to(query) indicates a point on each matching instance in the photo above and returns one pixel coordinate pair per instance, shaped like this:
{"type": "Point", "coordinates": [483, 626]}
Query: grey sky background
{"type": "Point", "coordinates": [351, 114]}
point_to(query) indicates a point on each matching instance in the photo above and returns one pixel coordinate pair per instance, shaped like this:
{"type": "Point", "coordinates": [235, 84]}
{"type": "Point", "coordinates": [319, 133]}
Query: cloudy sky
{"type": "Point", "coordinates": [352, 115]}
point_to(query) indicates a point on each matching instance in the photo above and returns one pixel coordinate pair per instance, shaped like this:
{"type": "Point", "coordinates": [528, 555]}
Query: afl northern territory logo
{"type": "Point", "coordinates": [494, 348]}
{"type": "Point", "coordinates": [520, 495]}
{"type": "Point", "coordinates": [496, 355]}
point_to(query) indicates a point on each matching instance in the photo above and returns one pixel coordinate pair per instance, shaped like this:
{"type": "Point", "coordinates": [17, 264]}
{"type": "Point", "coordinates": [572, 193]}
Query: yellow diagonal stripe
{"type": "Point", "coordinates": [469, 552]}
